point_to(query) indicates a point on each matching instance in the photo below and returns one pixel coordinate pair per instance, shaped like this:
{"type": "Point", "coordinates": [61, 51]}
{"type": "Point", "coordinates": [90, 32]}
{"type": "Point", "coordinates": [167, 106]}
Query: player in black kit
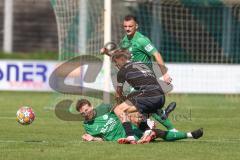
{"type": "Point", "coordinates": [147, 98]}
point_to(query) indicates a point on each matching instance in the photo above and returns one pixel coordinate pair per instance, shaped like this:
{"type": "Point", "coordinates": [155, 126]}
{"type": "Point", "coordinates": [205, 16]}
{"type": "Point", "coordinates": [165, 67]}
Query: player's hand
{"type": "Point", "coordinates": [87, 137]}
{"type": "Point", "coordinates": [103, 50]}
{"type": "Point", "coordinates": [167, 78]}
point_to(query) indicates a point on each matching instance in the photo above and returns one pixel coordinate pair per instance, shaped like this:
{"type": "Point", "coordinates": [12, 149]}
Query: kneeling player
{"type": "Point", "coordinates": [102, 124]}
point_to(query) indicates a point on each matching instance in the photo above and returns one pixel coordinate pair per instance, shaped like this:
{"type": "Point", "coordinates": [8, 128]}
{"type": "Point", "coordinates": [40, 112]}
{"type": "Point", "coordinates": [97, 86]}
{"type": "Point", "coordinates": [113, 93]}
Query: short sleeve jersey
{"type": "Point", "coordinates": [107, 125]}
{"type": "Point", "coordinates": [140, 47]}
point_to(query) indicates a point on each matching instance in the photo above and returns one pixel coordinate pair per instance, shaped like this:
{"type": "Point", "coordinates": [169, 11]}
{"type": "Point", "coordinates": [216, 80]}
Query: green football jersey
{"type": "Point", "coordinates": [140, 47]}
{"type": "Point", "coordinates": [107, 125]}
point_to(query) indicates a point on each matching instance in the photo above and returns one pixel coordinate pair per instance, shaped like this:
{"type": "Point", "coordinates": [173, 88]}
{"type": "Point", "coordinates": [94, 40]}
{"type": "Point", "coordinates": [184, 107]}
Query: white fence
{"type": "Point", "coordinates": [32, 75]}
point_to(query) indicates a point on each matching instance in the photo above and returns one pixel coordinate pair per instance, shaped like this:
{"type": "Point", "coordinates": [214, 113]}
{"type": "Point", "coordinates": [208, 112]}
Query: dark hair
{"type": "Point", "coordinates": [81, 103]}
{"type": "Point", "coordinates": [130, 17]}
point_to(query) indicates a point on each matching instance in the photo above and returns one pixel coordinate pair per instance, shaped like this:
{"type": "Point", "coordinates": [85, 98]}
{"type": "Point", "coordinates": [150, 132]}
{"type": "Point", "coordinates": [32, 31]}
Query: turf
{"type": "Point", "coordinates": [36, 56]}
{"type": "Point", "coordinates": [51, 138]}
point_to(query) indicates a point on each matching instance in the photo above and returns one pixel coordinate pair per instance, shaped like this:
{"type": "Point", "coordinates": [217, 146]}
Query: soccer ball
{"type": "Point", "coordinates": [25, 115]}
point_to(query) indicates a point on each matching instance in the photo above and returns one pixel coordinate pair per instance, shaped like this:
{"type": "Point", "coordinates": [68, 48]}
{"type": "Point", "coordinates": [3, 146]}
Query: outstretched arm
{"type": "Point", "coordinates": [105, 51]}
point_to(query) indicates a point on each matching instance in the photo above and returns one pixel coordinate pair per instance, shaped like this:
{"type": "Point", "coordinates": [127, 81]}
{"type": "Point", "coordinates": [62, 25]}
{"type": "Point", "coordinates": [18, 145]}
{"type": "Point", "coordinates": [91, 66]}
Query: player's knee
{"type": "Point", "coordinates": [118, 111]}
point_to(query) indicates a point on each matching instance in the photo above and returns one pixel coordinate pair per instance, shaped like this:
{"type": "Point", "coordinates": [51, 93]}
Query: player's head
{"type": "Point", "coordinates": [85, 108]}
{"type": "Point", "coordinates": [120, 57]}
{"type": "Point", "coordinates": [130, 25]}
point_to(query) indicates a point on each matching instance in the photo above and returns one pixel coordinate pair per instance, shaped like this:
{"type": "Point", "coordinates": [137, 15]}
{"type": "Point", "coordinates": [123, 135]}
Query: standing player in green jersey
{"type": "Point", "coordinates": [140, 47]}
{"type": "Point", "coordinates": [101, 124]}
{"type": "Point", "coordinates": [142, 50]}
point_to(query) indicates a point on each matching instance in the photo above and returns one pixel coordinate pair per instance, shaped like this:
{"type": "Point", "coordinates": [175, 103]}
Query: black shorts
{"type": "Point", "coordinates": [148, 102]}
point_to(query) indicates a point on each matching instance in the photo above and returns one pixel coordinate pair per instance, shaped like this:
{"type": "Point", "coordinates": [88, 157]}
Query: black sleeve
{"type": "Point", "coordinates": [121, 77]}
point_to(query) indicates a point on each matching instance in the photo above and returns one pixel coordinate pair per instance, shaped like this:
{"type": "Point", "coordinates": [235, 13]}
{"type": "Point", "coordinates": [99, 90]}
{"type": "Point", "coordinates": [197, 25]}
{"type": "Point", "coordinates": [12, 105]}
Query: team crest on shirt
{"type": "Point", "coordinates": [105, 117]}
{"type": "Point", "coordinates": [132, 56]}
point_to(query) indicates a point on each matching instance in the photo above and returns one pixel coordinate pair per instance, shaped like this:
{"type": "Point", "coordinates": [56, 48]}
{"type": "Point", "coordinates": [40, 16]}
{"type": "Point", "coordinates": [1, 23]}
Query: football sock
{"type": "Point", "coordinates": [128, 128]}
{"type": "Point", "coordinates": [167, 123]}
{"type": "Point", "coordinates": [170, 136]}
{"type": "Point", "coordinates": [160, 133]}
{"type": "Point", "coordinates": [143, 126]}
{"type": "Point", "coordinates": [189, 135]}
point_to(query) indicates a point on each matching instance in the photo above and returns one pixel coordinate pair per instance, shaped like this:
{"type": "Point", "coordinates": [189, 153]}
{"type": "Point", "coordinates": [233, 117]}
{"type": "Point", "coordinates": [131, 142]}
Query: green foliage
{"type": "Point", "coordinates": [51, 138]}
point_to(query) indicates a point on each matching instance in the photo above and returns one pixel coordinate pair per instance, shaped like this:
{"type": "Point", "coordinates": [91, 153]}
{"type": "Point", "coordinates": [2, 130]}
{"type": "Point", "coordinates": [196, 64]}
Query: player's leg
{"type": "Point", "coordinates": [170, 136]}
{"type": "Point", "coordinates": [149, 103]}
{"type": "Point", "coordinates": [173, 136]}
{"type": "Point", "coordinates": [162, 116]}
{"type": "Point", "coordinates": [166, 122]}
{"type": "Point", "coordinates": [146, 103]}
{"type": "Point", "coordinates": [121, 111]}
{"type": "Point", "coordinates": [166, 135]}
{"type": "Point", "coordinates": [125, 111]}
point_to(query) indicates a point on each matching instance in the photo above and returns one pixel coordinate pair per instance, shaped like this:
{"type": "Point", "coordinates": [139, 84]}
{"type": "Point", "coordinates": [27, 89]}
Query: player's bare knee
{"type": "Point", "coordinates": [117, 111]}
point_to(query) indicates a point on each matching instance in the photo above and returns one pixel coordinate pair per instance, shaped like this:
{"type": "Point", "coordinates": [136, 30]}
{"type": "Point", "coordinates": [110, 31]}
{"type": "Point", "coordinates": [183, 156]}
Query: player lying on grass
{"type": "Point", "coordinates": [101, 124]}
{"type": "Point", "coordinates": [148, 97]}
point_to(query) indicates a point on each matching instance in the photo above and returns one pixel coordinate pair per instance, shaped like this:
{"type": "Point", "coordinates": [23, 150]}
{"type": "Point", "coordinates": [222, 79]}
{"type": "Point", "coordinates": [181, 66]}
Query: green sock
{"type": "Point", "coordinates": [167, 123]}
{"type": "Point", "coordinates": [172, 136]}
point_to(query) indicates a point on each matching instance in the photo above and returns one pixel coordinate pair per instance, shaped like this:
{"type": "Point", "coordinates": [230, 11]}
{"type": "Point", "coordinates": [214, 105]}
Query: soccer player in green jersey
{"type": "Point", "coordinates": [142, 50]}
{"type": "Point", "coordinates": [101, 124]}
{"type": "Point", "coordinates": [140, 47]}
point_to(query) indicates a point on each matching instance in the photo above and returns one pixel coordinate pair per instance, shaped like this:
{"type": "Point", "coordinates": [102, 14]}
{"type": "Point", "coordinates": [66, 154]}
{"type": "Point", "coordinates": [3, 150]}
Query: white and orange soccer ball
{"type": "Point", "coordinates": [25, 115]}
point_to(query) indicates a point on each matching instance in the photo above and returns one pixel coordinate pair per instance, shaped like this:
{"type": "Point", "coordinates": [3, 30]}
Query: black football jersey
{"type": "Point", "coordinates": [138, 75]}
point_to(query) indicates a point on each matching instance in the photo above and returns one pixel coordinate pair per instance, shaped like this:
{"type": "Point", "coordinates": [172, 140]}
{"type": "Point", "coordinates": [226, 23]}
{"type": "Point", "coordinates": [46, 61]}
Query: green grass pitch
{"type": "Point", "coordinates": [51, 138]}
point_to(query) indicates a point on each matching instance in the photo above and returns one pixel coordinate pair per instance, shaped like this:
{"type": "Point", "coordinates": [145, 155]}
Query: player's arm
{"type": "Point", "coordinates": [105, 51]}
{"type": "Point", "coordinates": [111, 46]}
{"type": "Point", "coordinates": [119, 95]}
{"type": "Point", "coordinates": [162, 67]}
{"type": "Point", "coordinates": [88, 137]}
{"type": "Point", "coordinates": [152, 51]}
{"type": "Point", "coordinates": [120, 82]}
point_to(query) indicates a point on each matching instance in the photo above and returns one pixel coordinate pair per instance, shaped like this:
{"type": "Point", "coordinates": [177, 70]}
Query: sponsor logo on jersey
{"type": "Point", "coordinates": [109, 125]}
{"type": "Point", "coordinates": [148, 47]}
{"type": "Point", "coordinates": [105, 117]}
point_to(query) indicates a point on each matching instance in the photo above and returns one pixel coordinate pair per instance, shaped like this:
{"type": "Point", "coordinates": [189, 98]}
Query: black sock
{"type": "Point", "coordinates": [143, 126]}
{"type": "Point", "coordinates": [128, 128]}
{"type": "Point", "coordinates": [160, 133]}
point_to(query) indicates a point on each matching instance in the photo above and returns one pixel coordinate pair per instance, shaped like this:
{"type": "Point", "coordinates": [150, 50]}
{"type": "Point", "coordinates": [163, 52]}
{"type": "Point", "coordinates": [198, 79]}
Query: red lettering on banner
{"type": "Point", "coordinates": [31, 84]}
